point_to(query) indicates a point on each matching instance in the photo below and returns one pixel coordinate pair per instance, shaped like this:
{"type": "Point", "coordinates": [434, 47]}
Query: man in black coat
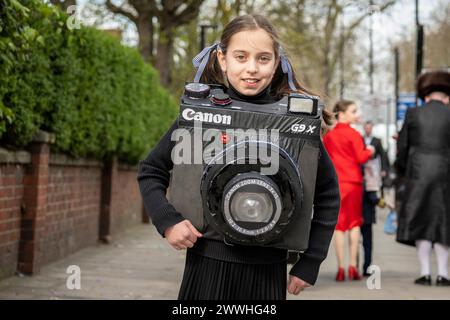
{"type": "Point", "coordinates": [423, 158]}
{"type": "Point", "coordinates": [375, 170]}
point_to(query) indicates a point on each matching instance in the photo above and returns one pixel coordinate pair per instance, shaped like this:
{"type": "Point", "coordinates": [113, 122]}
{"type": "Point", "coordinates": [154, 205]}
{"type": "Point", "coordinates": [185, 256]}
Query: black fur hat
{"type": "Point", "coordinates": [433, 81]}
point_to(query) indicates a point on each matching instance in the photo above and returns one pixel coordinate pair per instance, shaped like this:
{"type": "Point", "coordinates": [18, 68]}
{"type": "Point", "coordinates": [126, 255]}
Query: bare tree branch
{"type": "Point", "coordinates": [349, 30]}
{"type": "Point", "coordinates": [120, 10]}
{"type": "Point", "coordinates": [189, 13]}
{"type": "Point", "coordinates": [63, 4]}
{"type": "Point", "coordinates": [144, 5]}
{"type": "Point", "coordinates": [358, 21]}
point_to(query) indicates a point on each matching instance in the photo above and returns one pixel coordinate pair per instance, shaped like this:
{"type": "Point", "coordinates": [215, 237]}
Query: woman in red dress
{"type": "Point", "coordinates": [348, 152]}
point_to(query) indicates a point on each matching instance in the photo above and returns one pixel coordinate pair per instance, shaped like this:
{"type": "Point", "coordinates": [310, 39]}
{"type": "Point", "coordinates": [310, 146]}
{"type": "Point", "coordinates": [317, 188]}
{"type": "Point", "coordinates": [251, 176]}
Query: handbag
{"type": "Point", "coordinates": [390, 225]}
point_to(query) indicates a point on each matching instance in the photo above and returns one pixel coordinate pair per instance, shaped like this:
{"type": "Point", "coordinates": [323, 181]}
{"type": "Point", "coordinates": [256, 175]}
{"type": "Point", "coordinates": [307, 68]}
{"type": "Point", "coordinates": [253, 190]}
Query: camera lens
{"type": "Point", "coordinates": [251, 207]}
{"type": "Point", "coordinates": [252, 203]}
{"type": "Point", "coordinates": [244, 205]}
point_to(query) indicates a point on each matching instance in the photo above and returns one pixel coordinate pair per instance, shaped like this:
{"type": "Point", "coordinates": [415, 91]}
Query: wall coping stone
{"type": "Point", "coordinates": [44, 137]}
{"type": "Point", "coordinates": [127, 167]}
{"type": "Point", "coordinates": [60, 159]}
{"type": "Point", "coordinates": [14, 157]}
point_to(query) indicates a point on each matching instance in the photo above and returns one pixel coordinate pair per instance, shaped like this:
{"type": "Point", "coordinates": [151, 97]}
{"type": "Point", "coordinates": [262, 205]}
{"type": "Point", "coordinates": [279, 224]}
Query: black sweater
{"type": "Point", "coordinates": [154, 178]}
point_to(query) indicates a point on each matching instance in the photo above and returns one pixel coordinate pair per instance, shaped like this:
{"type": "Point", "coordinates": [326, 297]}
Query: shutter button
{"type": "Point", "coordinates": [220, 98]}
{"type": "Point", "coordinates": [197, 90]}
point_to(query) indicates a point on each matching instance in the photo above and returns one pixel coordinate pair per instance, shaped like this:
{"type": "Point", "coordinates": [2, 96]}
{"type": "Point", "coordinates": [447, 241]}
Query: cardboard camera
{"type": "Point", "coordinates": [246, 173]}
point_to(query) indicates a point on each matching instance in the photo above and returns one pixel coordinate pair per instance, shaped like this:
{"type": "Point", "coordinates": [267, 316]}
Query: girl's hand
{"type": "Point", "coordinates": [182, 235]}
{"type": "Point", "coordinates": [296, 285]}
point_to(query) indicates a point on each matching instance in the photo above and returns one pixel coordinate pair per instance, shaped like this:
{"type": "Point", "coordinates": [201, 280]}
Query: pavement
{"type": "Point", "coordinates": [139, 264]}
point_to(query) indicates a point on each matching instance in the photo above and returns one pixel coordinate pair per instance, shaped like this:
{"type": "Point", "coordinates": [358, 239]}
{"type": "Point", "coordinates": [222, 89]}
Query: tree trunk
{"type": "Point", "coordinates": [164, 54]}
{"type": "Point", "coordinates": [327, 74]}
{"type": "Point", "coordinates": [145, 29]}
{"type": "Point", "coordinates": [333, 12]}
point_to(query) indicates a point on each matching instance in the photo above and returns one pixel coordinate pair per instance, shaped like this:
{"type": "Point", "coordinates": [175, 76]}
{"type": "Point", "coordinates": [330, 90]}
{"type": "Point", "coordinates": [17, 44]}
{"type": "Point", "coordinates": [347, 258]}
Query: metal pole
{"type": "Point", "coordinates": [419, 46]}
{"type": "Point", "coordinates": [371, 67]}
{"type": "Point", "coordinates": [341, 60]}
{"type": "Point", "coordinates": [202, 37]}
{"type": "Point", "coordinates": [388, 122]}
{"type": "Point", "coordinates": [417, 12]}
{"type": "Point", "coordinates": [419, 52]}
{"type": "Point", "coordinates": [397, 77]}
{"type": "Point", "coordinates": [203, 28]}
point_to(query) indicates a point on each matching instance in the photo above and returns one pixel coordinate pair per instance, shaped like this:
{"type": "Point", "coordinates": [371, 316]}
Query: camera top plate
{"type": "Point", "coordinates": [193, 98]}
{"type": "Point", "coordinates": [232, 113]}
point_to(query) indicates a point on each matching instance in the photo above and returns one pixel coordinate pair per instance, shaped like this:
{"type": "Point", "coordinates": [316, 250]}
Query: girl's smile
{"type": "Point", "coordinates": [250, 83]}
{"type": "Point", "coordinates": [249, 62]}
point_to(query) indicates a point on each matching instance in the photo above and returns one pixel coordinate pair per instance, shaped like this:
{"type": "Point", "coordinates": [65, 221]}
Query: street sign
{"type": "Point", "coordinates": [373, 108]}
{"type": "Point", "coordinates": [405, 101]}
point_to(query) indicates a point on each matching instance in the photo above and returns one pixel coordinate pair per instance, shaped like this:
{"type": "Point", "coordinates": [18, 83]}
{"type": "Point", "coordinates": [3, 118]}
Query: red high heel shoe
{"type": "Point", "coordinates": [340, 276]}
{"type": "Point", "coordinates": [353, 273]}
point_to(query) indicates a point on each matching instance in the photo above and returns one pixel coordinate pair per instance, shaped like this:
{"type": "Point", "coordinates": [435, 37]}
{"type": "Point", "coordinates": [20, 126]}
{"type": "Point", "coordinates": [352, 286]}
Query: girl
{"type": "Point", "coordinates": [249, 63]}
{"type": "Point", "coordinates": [348, 153]}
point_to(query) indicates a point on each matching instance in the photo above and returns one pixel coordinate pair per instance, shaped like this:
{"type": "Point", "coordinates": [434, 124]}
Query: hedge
{"type": "Point", "coordinates": [97, 96]}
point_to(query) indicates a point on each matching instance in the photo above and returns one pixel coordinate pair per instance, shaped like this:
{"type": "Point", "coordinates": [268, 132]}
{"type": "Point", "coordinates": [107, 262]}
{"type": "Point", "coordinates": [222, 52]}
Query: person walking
{"type": "Point", "coordinates": [348, 152]}
{"type": "Point", "coordinates": [423, 158]}
{"type": "Point", "coordinates": [375, 170]}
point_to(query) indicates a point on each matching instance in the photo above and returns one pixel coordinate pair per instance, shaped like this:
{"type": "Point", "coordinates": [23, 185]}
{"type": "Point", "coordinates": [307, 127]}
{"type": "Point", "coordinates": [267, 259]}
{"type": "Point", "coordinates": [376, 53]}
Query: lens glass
{"type": "Point", "coordinates": [251, 207]}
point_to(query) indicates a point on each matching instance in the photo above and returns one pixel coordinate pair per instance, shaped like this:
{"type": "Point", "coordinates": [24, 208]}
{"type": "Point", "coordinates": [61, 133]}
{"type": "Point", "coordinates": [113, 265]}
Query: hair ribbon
{"type": "Point", "coordinates": [287, 68]}
{"type": "Point", "coordinates": [201, 59]}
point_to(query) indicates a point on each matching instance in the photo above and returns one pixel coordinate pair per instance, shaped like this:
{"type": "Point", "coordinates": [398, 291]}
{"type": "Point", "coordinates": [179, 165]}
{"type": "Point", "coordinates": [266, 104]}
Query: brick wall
{"type": "Point", "coordinates": [126, 200]}
{"type": "Point", "coordinates": [52, 205]}
{"type": "Point", "coordinates": [11, 193]}
{"type": "Point", "coordinates": [73, 206]}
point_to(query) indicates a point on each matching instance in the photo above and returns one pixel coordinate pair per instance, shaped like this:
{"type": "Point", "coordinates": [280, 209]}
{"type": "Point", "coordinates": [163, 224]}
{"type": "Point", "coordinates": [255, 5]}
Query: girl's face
{"type": "Point", "coordinates": [350, 115]}
{"type": "Point", "coordinates": [249, 62]}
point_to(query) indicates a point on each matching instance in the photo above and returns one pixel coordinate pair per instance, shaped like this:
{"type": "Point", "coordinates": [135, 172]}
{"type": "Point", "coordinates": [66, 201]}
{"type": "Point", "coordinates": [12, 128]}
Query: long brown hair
{"type": "Point", "coordinates": [279, 85]}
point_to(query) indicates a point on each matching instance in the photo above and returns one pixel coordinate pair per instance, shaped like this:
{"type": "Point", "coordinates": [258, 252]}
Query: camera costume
{"type": "Point", "coordinates": [243, 252]}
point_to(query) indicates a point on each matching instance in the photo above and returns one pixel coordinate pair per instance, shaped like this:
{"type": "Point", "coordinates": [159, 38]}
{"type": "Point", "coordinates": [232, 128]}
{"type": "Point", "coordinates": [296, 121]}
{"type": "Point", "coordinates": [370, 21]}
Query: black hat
{"type": "Point", "coordinates": [433, 81]}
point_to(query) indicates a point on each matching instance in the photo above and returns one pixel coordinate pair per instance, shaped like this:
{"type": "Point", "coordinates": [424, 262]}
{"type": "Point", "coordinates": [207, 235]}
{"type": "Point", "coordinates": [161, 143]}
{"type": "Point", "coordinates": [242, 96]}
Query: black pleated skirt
{"type": "Point", "coordinates": [210, 279]}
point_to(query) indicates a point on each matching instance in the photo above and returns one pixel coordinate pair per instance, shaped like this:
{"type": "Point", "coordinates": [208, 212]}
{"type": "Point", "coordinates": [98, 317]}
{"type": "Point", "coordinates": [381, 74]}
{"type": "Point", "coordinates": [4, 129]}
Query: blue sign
{"type": "Point", "coordinates": [405, 101]}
